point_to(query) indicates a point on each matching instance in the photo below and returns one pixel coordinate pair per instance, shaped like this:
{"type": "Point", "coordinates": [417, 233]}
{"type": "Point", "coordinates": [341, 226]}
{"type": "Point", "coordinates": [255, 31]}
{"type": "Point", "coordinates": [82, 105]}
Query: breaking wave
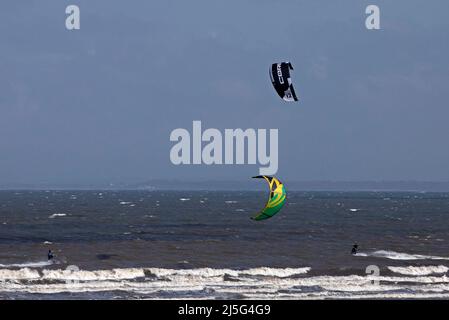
{"type": "Point", "coordinates": [37, 264]}
{"type": "Point", "coordinates": [27, 273]}
{"type": "Point", "coordinates": [210, 272]}
{"type": "Point", "coordinates": [419, 271]}
{"type": "Point", "coordinates": [399, 256]}
{"type": "Point", "coordinates": [207, 283]}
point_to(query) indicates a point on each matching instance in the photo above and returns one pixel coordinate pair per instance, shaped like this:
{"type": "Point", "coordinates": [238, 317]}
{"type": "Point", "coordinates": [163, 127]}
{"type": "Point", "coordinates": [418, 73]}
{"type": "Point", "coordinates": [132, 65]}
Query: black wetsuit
{"type": "Point", "coordinates": [50, 255]}
{"type": "Point", "coordinates": [354, 249]}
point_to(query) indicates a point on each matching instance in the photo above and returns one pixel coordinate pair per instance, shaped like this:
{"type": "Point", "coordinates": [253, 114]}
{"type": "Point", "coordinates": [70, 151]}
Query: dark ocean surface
{"type": "Point", "coordinates": [200, 244]}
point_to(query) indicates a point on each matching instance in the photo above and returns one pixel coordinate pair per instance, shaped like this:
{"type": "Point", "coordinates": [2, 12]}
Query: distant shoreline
{"type": "Point", "coordinates": [247, 185]}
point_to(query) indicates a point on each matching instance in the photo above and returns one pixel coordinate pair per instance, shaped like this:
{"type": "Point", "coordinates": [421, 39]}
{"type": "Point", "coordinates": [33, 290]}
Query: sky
{"type": "Point", "coordinates": [98, 104]}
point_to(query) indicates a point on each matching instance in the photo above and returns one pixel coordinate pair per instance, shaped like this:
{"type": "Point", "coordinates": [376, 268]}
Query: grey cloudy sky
{"type": "Point", "coordinates": [98, 104]}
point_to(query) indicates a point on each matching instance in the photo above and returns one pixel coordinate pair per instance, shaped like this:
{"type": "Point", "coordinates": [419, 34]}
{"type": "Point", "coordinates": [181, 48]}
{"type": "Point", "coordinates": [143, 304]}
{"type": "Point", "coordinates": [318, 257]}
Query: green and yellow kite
{"type": "Point", "coordinates": [276, 200]}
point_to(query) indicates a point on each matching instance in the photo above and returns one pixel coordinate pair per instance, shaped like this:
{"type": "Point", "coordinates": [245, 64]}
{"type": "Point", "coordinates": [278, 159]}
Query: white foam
{"type": "Point", "coordinates": [176, 284]}
{"type": "Point", "coordinates": [200, 272]}
{"type": "Point", "coordinates": [97, 275]}
{"type": "Point", "coordinates": [230, 201]}
{"type": "Point", "coordinates": [21, 274]}
{"type": "Point", "coordinates": [184, 199]}
{"type": "Point", "coordinates": [419, 271]}
{"type": "Point", "coordinates": [55, 215]}
{"type": "Point", "coordinates": [210, 272]}
{"type": "Point", "coordinates": [361, 254]}
{"type": "Point", "coordinates": [37, 264]}
{"type": "Point", "coordinates": [276, 272]}
{"type": "Point", "coordinates": [354, 210]}
{"type": "Point", "coordinates": [124, 202]}
{"type": "Point", "coordinates": [399, 256]}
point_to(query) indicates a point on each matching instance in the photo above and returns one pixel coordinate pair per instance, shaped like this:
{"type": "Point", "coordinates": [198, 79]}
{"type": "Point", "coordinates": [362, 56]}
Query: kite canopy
{"type": "Point", "coordinates": [282, 82]}
{"type": "Point", "coordinates": [276, 200]}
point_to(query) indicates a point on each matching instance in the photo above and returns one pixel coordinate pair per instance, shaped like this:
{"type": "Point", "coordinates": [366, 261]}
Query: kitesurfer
{"type": "Point", "coordinates": [50, 255]}
{"type": "Point", "coordinates": [354, 249]}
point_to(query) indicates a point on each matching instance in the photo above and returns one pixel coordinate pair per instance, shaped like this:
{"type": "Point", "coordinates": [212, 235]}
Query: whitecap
{"type": "Point", "coordinates": [55, 215]}
{"type": "Point", "coordinates": [276, 272]}
{"type": "Point", "coordinates": [419, 271]}
{"type": "Point", "coordinates": [36, 264]}
{"type": "Point", "coordinates": [256, 283]}
{"type": "Point", "coordinates": [400, 256]}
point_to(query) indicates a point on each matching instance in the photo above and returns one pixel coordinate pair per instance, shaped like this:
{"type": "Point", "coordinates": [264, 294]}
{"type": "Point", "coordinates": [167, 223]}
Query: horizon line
{"type": "Point", "coordinates": [217, 185]}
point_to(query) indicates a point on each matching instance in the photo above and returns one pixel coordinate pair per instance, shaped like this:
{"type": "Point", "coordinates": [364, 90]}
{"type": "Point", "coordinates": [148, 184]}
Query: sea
{"type": "Point", "coordinates": [148, 244]}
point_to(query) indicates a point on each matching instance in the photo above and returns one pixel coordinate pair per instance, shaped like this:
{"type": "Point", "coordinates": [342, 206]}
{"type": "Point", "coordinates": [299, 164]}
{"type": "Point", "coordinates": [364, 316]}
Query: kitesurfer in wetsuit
{"type": "Point", "coordinates": [50, 255]}
{"type": "Point", "coordinates": [354, 249]}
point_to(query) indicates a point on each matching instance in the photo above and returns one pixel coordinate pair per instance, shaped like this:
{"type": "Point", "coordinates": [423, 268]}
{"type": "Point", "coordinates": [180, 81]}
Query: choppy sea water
{"type": "Point", "coordinates": [199, 244]}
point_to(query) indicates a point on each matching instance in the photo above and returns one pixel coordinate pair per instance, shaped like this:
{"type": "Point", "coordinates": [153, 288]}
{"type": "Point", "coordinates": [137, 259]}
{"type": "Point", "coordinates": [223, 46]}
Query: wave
{"type": "Point", "coordinates": [73, 273]}
{"type": "Point", "coordinates": [208, 283]}
{"type": "Point", "coordinates": [37, 264]}
{"type": "Point", "coordinates": [419, 271]}
{"type": "Point", "coordinates": [398, 255]}
{"type": "Point", "coordinates": [21, 274]}
{"type": "Point", "coordinates": [210, 272]}
{"type": "Point", "coordinates": [276, 272]}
